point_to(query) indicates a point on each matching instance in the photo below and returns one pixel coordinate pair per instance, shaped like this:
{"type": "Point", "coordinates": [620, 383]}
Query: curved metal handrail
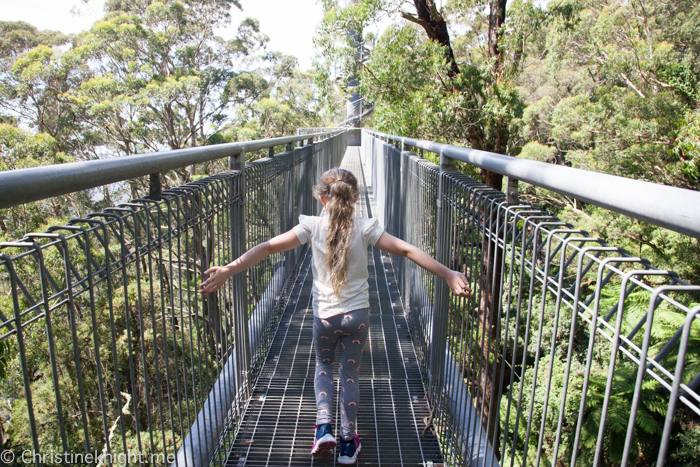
{"type": "Point", "coordinates": [33, 184]}
{"type": "Point", "coordinates": [674, 208]}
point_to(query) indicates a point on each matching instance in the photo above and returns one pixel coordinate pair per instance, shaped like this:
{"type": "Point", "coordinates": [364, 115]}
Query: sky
{"type": "Point", "coordinates": [289, 24]}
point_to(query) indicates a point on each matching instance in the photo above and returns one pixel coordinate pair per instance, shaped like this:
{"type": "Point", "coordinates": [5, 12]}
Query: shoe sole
{"type": "Point", "coordinates": [350, 460]}
{"type": "Point", "coordinates": [327, 443]}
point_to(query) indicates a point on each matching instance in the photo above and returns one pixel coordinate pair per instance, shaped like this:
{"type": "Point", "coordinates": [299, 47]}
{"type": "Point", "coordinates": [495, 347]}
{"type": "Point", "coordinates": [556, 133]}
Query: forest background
{"type": "Point", "coordinates": [610, 86]}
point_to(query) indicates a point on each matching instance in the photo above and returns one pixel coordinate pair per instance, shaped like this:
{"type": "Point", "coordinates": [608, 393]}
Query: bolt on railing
{"type": "Point", "coordinates": [109, 356]}
{"type": "Point", "coordinates": [570, 349]}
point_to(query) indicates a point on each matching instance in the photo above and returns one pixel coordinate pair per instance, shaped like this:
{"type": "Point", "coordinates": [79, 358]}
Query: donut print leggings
{"type": "Point", "coordinates": [350, 331]}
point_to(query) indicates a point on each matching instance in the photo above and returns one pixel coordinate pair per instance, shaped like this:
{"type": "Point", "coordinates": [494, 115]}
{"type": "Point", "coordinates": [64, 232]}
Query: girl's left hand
{"type": "Point", "coordinates": [458, 283]}
{"type": "Point", "coordinates": [219, 275]}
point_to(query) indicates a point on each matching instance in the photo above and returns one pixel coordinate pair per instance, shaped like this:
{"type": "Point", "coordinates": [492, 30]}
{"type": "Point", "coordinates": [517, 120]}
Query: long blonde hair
{"type": "Point", "coordinates": [339, 188]}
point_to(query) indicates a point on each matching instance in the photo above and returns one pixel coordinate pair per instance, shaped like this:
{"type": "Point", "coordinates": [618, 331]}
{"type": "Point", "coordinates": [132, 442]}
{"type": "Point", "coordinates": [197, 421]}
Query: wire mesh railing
{"type": "Point", "coordinates": [108, 355]}
{"type": "Point", "coordinates": [570, 350]}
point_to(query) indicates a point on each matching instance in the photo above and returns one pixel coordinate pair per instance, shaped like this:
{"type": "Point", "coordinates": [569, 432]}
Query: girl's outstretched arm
{"type": "Point", "coordinates": [220, 274]}
{"type": "Point", "coordinates": [455, 279]}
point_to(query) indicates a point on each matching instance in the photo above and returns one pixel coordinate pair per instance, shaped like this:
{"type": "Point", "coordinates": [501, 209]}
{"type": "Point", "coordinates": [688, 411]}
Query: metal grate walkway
{"type": "Point", "coordinates": [278, 428]}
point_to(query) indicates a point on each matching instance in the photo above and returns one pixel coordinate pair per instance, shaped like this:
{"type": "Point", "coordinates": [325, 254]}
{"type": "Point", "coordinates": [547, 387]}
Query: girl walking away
{"type": "Point", "coordinates": [340, 296]}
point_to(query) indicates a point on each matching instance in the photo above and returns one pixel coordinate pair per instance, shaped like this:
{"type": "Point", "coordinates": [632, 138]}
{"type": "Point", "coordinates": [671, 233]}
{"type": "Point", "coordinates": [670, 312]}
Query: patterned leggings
{"type": "Point", "coordinates": [350, 330]}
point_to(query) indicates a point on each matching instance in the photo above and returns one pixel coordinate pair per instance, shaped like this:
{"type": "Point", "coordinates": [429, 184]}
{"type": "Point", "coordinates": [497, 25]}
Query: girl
{"type": "Point", "coordinates": [340, 295]}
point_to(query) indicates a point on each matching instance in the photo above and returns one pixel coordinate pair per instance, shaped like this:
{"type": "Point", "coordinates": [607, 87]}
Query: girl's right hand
{"type": "Point", "coordinates": [458, 283]}
{"type": "Point", "coordinates": [219, 275]}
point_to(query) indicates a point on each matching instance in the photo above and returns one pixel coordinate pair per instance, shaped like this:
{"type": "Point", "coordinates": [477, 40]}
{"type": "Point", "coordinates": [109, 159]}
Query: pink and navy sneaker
{"type": "Point", "coordinates": [349, 450]}
{"type": "Point", "coordinates": [324, 441]}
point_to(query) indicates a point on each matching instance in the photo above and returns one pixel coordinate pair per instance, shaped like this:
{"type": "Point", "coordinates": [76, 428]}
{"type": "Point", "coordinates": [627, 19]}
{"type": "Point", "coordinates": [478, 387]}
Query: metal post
{"type": "Point", "coordinates": [405, 221]}
{"type": "Point", "coordinates": [441, 297]}
{"type": "Point", "coordinates": [285, 202]}
{"type": "Point", "coordinates": [154, 187]}
{"type": "Point", "coordinates": [310, 180]}
{"type": "Point", "coordinates": [240, 306]}
{"type": "Point", "coordinates": [512, 192]}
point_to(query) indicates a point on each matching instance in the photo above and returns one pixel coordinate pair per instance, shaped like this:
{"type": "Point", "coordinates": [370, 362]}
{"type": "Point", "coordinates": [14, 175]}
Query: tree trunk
{"type": "Point", "coordinates": [489, 384]}
{"type": "Point", "coordinates": [492, 259]}
{"type": "Point", "coordinates": [489, 393]}
{"type": "Point", "coordinates": [497, 16]}
{"type": "Point", "coordinates": [436, 28]}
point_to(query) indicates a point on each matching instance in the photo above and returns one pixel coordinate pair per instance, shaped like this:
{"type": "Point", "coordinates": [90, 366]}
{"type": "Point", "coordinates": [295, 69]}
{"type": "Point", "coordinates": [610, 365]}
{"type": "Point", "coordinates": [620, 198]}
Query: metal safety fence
{"type": "Point", "coordinates": [570, 350]}
{"type": "Point", "coordinates": [108, 355]}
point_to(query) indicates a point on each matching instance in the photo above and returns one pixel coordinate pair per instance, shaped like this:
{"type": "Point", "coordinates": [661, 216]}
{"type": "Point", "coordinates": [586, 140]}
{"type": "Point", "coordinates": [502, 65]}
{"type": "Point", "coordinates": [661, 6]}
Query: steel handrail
{"type": "Point", "coordinates": [556, 319]}
{"type": "Point", "coordinates": [674, 208]}
{"type": "Point", "coordinates": [33, 184]}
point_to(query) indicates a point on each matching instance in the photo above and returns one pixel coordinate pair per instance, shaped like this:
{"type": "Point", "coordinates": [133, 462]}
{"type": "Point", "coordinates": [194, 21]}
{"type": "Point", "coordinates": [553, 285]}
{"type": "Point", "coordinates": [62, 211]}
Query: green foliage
{"type": "Point", "coordinates": [20, 149]}
{"type": "Point", "coordinates": [616, 92]}
{"type": "Point", "coordinates": [159, 73]}
{"type": "Point", "coordinates": [664, 248]}
{"type": "Point", "coordinates": [687, 145]}
{"type": "Point", "coordinates": [401, 83]}
{"type": "Point", "coordinates": [16, 37]}
{"type": "Point", "coordinates": [274, 100]}
{"type": "Point", "coordinates": [687, 442]}
{"type": "Point", "coordinates": [538, 152]}
{"type": "Point", "coordinates": [150, 75]}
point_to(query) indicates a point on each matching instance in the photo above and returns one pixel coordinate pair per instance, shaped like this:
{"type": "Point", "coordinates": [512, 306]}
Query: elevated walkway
{"type": "Point", "coordinates": [278, 427]}
{"type": "Point", "coordinates": [567, 347]}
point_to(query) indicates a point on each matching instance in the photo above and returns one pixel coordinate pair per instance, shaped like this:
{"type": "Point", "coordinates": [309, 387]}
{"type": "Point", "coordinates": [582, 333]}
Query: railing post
{"type": "Point", "coordinates": [286, 204]}
{"type": "Point", "coordinates": [154, 187]}
{"type": "Point", "coordinates": [512, 192]}
{"type": "Point", "coordinates": [240, 305]}
{"type": "Point", "coordinates": [406, 222]}
{"type": "Point", "coordinates": [441, 296]}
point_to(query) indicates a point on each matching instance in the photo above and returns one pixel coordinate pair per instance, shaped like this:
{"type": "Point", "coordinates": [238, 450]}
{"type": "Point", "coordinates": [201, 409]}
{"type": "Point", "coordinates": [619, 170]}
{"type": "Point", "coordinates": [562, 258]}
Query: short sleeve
{"type": "Point", "coordinates": [372, 231]}
{"type": "Point", "coordinates": [303, 229]}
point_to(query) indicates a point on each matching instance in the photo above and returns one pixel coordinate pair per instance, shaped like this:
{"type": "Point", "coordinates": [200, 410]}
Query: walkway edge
{"type": "Point", "coordinates": [204, 436]}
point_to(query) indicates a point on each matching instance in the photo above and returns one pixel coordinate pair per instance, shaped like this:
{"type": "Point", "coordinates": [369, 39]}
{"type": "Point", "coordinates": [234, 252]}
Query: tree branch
{"type": "Point", "coordinates": [415, 19]}
{"type": "Point", "coordinates": [627, 80]}
{"type": "Point", "coordinates": [434, 11]}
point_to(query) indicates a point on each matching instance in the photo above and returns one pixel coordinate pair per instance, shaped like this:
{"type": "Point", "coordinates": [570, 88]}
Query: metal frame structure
{"type": "Point", "coordinates": [570, 350]}
{"type": "Point", "coordinates": [102, 317]}
{"type": "Point", "coordinates": [568, 347]}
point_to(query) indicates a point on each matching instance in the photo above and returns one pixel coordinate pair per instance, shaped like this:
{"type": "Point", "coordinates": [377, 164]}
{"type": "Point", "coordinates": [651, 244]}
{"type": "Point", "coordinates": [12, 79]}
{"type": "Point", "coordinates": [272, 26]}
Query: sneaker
{"type": "Point", "coordinates": [349, 450]}
{"type": "Point", "coordinates": [324, 441]}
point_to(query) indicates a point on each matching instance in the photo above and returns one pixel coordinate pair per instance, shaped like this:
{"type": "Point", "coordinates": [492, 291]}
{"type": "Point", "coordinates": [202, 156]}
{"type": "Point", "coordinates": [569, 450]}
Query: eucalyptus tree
{"type": "Point", "coordinates": [21, 149]}
{"type": "Point", "coordinates": [425, 82]}
{"type": "Point", "coordinates": [160, 72]}
{"type": "Point", "coordinates": [616, 90]}
{"type": "Point", "coordinates": [17, 37]}
{"type": "Point", "coordinates": [273, 99]}
{"type": "Point", "coordinates": [34, 76]}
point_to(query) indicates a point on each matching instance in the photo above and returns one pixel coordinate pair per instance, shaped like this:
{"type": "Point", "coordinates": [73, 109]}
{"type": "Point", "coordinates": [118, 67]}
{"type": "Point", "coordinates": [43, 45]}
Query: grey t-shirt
{"type": "Point", "coordinates": [354, 293]}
